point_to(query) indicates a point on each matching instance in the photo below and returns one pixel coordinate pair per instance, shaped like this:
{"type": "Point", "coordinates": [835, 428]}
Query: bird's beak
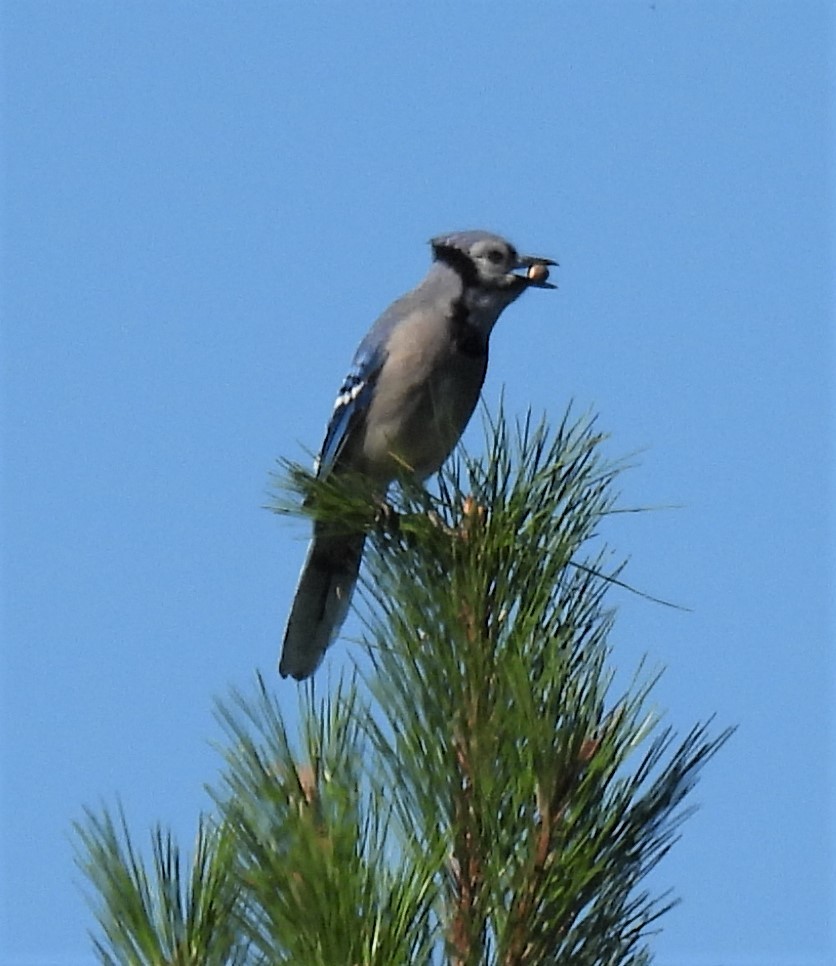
{"type": "Point", "coordinates": [537, 274]}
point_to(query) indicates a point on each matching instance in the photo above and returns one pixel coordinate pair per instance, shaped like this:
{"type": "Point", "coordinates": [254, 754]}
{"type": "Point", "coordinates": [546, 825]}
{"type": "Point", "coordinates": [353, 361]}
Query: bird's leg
{"type": "Point", "coordinates": [386, 517]}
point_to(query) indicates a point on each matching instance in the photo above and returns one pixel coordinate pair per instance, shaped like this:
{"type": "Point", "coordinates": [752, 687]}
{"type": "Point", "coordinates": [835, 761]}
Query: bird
{"type": "Point", "coordinates": [409, 394]}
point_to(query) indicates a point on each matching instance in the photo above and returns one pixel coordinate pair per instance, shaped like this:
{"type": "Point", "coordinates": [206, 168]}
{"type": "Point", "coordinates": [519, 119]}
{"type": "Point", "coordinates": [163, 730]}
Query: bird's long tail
{"type": "Point", "coordinates": [320, 605]}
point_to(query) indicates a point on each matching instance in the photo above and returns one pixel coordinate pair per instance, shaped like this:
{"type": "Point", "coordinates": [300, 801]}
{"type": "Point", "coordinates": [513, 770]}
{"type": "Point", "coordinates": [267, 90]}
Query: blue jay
{"type": "Point", "coordinates": [411, 391]}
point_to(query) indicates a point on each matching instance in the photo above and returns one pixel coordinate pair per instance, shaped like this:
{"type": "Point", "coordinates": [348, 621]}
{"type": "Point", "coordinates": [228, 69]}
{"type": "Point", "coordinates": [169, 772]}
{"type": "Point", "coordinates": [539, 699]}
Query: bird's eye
{"type": "Point", "coordinates": [495, 256]}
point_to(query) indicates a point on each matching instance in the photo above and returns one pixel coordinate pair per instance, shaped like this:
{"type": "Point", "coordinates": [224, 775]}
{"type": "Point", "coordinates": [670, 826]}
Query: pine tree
{"type": "Point", "coordinates": [475, 793]}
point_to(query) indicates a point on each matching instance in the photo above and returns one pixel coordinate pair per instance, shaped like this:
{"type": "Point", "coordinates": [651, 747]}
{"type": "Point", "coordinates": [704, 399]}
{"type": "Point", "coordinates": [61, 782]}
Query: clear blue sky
{"type": "Point", "coordinates": [205, 206]}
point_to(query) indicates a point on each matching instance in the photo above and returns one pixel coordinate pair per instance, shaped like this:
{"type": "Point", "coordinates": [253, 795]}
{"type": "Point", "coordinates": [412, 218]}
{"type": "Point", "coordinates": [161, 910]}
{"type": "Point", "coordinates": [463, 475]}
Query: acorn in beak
{"type": "Point", "coordinates": [537, 274]}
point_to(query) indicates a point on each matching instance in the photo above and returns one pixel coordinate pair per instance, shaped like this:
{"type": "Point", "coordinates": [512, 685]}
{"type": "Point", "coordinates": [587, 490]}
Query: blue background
{"type": "Point", "coordinates": [205, 206]}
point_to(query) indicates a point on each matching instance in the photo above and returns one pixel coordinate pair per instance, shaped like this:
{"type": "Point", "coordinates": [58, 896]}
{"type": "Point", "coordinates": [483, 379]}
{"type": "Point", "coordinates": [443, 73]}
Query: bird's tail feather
{"type": "Point", "coordinates": [321, 602]}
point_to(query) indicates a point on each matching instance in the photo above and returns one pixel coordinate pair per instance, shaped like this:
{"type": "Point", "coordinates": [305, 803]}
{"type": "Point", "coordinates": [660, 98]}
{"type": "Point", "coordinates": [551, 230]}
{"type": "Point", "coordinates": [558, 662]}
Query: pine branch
{"type": "Point", "coordinates": [490, 652]}
{"type": "Point", "coordinates": [150, 910]}
{"type": "Point", "coordinates": [312, 834]}
{"type": "Point", "coordinates": [481, 795]}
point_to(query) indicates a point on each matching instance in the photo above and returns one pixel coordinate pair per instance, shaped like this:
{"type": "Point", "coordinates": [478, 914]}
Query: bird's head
{"type": "Point", "coordinates": [487, 261]}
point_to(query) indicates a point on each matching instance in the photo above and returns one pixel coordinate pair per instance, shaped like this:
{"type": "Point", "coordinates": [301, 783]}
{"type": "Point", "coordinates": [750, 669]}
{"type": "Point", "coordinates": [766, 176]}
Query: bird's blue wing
{"type": "Point", "coordinates": [351, 404]}
{"type": "Point", "coordinates": [357, 390]}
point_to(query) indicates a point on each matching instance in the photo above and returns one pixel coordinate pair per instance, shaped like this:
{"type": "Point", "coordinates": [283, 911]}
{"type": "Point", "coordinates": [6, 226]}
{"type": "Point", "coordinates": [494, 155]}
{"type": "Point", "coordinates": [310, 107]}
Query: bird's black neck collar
{"type": "Point", "coordinates": [461, 264]}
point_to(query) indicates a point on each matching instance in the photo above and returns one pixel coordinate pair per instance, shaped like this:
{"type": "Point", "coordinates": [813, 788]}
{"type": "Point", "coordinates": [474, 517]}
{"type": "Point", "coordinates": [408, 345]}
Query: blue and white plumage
{"type": "Point", "coordinates": [413, 386]}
